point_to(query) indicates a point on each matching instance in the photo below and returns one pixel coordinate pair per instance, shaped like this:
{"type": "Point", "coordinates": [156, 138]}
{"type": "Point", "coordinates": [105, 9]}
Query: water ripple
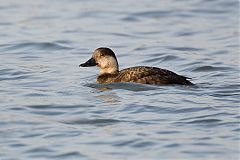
{"type": "Point", "coordinates": [39, 150]}
{"type": "Point", "coordinates": [12, 74]}
{"type": "Point", "coordinates": [204, 121]}
{"type": "Point", "coordinates": [53, 107]}
{"type": "Point", "coordinates": [152, 14]}
{"type": "Point", "coordinates": [186, 49]}
{"type": "Point", "coordinates": [98, 122]}
{"type": "Point", "coordinates": [74, 154]}
{"type": "Point", "coordinates": [35, 45]}
{"type": "Point", "coordinates": [162, 59]}
{"type": "Point", "coordinates": [210, 68]}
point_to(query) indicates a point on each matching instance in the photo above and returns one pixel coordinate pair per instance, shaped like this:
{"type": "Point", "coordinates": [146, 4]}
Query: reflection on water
{"type": "Point", "coordinates": [109, 97]}
{"type": "Point", "coordinates": [52, 109]}
{"type": "Point", "coordinates": [123, 85]}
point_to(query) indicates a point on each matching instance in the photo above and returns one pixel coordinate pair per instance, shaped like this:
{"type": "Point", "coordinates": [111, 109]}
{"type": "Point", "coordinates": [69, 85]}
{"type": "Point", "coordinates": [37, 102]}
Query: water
{"type": "Point", "coordinates": [52, 109]}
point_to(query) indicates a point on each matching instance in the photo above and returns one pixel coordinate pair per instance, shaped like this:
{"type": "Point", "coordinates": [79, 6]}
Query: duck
{"type": "Point", "coordinates": [105, 59]}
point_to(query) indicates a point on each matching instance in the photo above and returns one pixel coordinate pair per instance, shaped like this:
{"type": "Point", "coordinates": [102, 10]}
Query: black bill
{"type": "Point", "coordinates": [89, 63]}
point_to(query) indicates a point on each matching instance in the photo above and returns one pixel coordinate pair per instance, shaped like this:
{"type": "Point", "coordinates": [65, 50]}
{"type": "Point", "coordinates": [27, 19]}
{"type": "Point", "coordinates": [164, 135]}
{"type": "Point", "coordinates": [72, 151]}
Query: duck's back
{"type": "Point", "coordinates": [150, 75]}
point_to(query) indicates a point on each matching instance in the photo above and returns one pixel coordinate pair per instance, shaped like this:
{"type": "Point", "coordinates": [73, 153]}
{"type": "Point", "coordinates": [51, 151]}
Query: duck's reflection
{"type": "Point", "coordinates": [107, 93]}
{"type": "Point", "coordinates": [108, 97]}
{"type": "Point", "coordinates": [123, 86]}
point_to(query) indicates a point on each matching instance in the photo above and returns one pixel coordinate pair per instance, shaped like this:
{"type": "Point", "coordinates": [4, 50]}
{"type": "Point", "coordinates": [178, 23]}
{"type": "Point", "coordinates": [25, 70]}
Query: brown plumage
{"type": "Point", "coordinates": [106, 60]}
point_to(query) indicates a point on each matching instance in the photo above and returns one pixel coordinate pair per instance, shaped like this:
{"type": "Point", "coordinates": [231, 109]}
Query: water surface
{"type": "Point", "coordinates": [52, 109]}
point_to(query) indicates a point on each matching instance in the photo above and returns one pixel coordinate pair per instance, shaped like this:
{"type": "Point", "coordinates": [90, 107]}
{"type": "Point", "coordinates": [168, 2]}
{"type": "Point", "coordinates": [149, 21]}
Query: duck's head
{"type": "Point", "coordinates": [105, 59]}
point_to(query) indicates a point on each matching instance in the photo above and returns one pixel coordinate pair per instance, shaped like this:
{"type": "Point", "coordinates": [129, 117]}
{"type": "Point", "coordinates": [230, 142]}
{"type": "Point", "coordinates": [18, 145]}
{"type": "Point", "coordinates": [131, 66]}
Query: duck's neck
{"type": "Point", "coordinates": [111, 70]}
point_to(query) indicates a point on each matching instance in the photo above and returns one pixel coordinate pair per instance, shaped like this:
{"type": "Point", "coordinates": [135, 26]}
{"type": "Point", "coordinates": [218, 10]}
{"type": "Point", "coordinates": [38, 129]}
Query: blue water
{"type": "Point", "coordinates": [52, 109]}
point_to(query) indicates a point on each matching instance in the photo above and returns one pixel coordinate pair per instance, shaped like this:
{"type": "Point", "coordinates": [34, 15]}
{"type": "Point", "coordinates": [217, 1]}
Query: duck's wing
{"type": "Point", "coordinates": [150, 75]}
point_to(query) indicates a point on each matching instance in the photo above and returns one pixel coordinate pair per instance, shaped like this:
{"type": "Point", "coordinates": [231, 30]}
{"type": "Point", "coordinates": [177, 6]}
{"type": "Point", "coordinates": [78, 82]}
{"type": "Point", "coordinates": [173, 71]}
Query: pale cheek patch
{"type": "Point", "coordinates": [107, 62]}
{"type": "Point", "coordinates": [103, 63]}
{"type": "Point", "coordinates": [112, 62]}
